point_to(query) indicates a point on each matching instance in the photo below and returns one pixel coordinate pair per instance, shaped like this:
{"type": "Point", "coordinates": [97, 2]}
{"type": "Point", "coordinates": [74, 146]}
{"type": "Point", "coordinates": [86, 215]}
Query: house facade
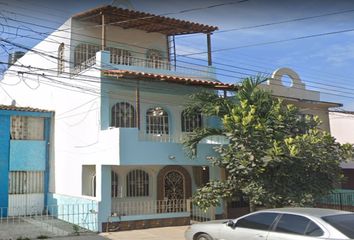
{"type": "Point", "coordinates": [118, 89]}
{"type": "Point", "coordinates": [24, 160]}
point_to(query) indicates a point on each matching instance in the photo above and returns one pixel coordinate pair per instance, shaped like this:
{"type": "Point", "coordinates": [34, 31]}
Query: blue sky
{"type": "Point", "coordinates": [324, 63]}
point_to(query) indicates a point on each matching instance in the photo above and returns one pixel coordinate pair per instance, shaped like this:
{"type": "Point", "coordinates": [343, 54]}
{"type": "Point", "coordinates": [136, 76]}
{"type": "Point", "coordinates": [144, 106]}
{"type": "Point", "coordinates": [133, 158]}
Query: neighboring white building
{"type": "Point", "coordinates": [342, 128]}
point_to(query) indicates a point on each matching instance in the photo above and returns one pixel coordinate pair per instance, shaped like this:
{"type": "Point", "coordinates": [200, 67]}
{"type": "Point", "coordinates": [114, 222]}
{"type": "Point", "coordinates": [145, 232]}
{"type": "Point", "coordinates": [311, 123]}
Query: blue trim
{"type": "Point", "coordinates": [47, 128]}
{"type": "Point", "coordinates": [4, 162]}
{"type": "Point", "coordinates": [23, 113]}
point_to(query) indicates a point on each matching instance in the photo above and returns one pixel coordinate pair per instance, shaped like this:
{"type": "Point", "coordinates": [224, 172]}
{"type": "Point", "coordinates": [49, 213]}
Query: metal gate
{"type": "Point", "coordinates": [26, 193]}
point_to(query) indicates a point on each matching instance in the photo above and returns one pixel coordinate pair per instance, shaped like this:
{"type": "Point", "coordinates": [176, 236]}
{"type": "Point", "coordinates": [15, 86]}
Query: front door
{"type": "Point", "coordinates": [174, 192]}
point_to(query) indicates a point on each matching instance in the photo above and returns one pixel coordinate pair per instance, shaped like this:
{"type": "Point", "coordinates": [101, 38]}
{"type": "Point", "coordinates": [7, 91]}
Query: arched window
{"type": "Point", "coordinates": [61, 65]}
{"type": "Point", "coordinates": [190, 122]}
{"type": "Point", "coordinates": [154, 59]}
{"type": "Point", "coordinates": [115, 187]}
{"type": "Point", "coordinates": [156, 121]}
{"type": "Point", "coordinates": [137, 183]}
{"type": "Point", "coordinates": [123, 115]}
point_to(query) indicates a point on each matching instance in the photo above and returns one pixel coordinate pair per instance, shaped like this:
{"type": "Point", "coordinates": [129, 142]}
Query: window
{"type": "Point", "coordinates": [154, 59]}
{"type": "Point", "coordinates": [190, 122]}
{"type": "Point", "coordinates": [120, 56]}
{"type": "Point", "coordinates": [115, 187]}
{"type": "Point", "coordinates": [84, 52]}
{"type": "Point", "coordinates": [123, 115]}
{"type": "Point", "coordinates": [27, 128]}
{"type": "Point", "coordinates": [137, 183]}
{"type": "Point", "coordinates": [260, 221]}
{"type": "Point", "coordinates": [61, 65]}
{"type": "Point", "coordinates": [93, 186]}
{"type": "Point", "coordinates": [22, 182]}
{"type": "Point", "coordinates": [343, 223]}
{"type": "Point", "coordinates": [157, 121]}
{"type": "Point", "coordinates": [297, 225]}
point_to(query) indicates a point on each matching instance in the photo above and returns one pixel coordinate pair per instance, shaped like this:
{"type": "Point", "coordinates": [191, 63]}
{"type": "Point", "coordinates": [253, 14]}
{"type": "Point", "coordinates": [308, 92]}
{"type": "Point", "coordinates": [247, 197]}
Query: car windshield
{"type": "Point", "coordinates": [343, 223]}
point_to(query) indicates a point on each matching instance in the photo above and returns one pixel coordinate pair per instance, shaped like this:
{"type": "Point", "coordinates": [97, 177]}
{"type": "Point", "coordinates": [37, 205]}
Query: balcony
{"type": "Point", "coordinates": [85, 57]}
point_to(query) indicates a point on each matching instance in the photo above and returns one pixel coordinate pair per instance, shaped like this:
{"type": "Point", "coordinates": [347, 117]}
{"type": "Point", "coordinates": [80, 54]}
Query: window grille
{"type": "Point", "coordinates": [61, 64]}
{"type": "Point", "coordinates": [84, 52]}
{"type": "Point", "coordinates": [22, 182]}
{"type": "Point", "coordinates": [120, 56]}
{"type": "Point", "coordinates": [190, 122]}
{"type": "Point", "coordinates": [115, 187]}
{"type": "Point", "coordinates": [137, 183]}
{"type": "Point", "coordinates": [27, 128]}
{"type": "Point", "coordinates": [123, 115]}
{"type": "Point", "coordinates": [154, 59]}
{"type": "Point", "coordinates": [157, 121]}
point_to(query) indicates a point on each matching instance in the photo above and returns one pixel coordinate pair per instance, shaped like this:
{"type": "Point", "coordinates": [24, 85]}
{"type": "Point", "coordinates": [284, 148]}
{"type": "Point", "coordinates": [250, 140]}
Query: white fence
{"type": "Point", "coordinates": [51, 221]}
{"type": "Point", "coordinates": [178, 138]}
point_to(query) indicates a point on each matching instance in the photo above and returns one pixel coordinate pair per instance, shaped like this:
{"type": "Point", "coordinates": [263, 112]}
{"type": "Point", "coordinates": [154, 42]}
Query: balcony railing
{"type": "Point", "coordinates": [178, 138]}
{"type": "Point", "coordinates": [148, 65]}
{"type": "Point", "coordinates": [131, 208]}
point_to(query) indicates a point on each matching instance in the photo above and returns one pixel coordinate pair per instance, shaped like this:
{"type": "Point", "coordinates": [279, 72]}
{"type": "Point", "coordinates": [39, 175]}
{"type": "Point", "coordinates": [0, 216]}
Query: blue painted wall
{"type": "Point", "coordinates": [4, 160]}
{"type": "Point", "coordinates": [27, 155]}
{"type": "Point", "coordinates": [135, 152]}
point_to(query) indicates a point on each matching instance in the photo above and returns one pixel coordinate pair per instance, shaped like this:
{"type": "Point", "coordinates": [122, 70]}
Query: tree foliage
{"type": "Point", "coordinates": [275, 157]}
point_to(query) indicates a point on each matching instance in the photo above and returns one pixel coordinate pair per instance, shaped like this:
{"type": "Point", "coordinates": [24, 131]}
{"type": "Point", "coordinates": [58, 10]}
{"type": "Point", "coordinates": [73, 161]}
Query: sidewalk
{"type": "Point", "coordinates": [175, 233]}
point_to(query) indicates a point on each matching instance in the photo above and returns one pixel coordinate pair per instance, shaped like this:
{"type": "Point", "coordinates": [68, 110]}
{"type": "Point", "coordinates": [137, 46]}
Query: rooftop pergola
{"type": "Point", "coordinates": [127, 19]}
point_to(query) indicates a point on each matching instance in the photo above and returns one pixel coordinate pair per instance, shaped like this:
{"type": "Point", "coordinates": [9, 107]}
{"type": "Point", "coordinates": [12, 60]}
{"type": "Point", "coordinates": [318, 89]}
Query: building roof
{"type": "Point", "coordinates": [172, 79]}
{"type": "Point", "coordinates": [320, 103]}
{"type": "Point", "coordinates": [22, 109]}
{"type": "Point", "coordinates": [126, 18]}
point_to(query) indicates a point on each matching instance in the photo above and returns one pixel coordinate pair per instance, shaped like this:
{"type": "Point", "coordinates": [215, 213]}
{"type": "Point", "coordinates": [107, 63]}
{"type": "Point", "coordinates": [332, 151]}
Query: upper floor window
{"type": "Point", "coordinates": [123, 115]}
{"type": "Point", "coordinates": [137, 183]}
{"type": "Point", "coordinates": [154, 59]}
{"type": "Point", "coordinates": [84, 52]}
{"type": "Point", "coordinates": [157, 121]}
{"type": "Point", "coordinates": [27, 128]}
{"type": "Point", "coordinates": [61, 64]}
{"type": "Point", "coordinates": [190, 122]}
{"type": "Point", "coordinates": [120, 56]}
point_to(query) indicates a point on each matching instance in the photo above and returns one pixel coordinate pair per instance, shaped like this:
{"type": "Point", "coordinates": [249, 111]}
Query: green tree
{"type": "Point", "coordinates": [275, 157]}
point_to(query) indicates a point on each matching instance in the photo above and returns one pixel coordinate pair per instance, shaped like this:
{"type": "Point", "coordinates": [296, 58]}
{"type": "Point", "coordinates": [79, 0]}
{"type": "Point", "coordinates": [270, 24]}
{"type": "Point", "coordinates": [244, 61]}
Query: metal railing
{"type": "Point", "coordinates": [131, 208]}
{"type": "Point", "coordinates": [178, 138]}
{"type": "Point", "coordinates": [200, 215]}
{"type": "Point", "coordinates": [337, 200]}
{"type": "Point", "coordinates": [51, 221]}
{"type": "Point", "coordinates": [84, 65]}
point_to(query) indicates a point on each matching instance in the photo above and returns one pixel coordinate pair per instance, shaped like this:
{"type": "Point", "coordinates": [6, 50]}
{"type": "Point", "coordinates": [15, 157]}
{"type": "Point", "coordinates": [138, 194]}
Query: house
{"type": "Point", "coordinates": [118, 89]}
{"type": "Point", "coordinates": [25, 135]}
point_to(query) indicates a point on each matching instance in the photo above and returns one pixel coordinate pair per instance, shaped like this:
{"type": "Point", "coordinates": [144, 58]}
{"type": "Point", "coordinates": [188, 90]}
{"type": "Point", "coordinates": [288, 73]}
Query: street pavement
{"type": "Point", "coordinates": [175, 233]}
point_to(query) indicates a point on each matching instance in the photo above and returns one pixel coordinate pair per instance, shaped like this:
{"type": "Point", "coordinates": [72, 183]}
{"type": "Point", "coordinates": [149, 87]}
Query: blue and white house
{"type": "Point", "coordinates": [118, 92]}
{"type": "Point", "coordinates": [24, 159]}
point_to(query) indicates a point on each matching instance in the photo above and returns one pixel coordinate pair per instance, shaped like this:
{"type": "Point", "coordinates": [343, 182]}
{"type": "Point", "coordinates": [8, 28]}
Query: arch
{"type": "Point", "coordinates": [189, 122]}
{"type": "Point", "coordinates": [137, 183]}
{"type": "Point", "coordinates": [277, 75]}
{"type": "Point", "coordinates": [123, 115]}
{"type": "Point", "coordinates": [161, 181]}
{"type": "Point", "coordinates": [157, 121]}
{"type": "Point", "coordinates": [61, 63]}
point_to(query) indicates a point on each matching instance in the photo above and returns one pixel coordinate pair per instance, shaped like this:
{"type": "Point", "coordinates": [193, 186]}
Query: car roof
{"type": "Point", "coordinates": [315, 212]}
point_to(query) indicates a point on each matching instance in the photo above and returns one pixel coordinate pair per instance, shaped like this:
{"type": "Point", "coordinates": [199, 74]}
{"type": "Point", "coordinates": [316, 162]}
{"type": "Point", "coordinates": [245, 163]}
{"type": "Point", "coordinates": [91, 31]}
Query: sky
{"type": "Point", "coordinates": [313, 37]}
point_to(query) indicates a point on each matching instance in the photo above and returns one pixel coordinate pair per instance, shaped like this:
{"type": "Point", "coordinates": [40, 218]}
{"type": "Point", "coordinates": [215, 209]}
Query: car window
{"type": "Point", "coordinates": [313, 230]}
{"type": "Point", "coordinates": [261, 221]}
{"type": "Point", "coordinates": [294, 224]}
{"type": "Point", "coordinates": [343, 223]}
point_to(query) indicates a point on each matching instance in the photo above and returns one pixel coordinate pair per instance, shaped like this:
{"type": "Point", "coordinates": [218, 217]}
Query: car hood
{"type": "Point", "coordinates": [215, 221]}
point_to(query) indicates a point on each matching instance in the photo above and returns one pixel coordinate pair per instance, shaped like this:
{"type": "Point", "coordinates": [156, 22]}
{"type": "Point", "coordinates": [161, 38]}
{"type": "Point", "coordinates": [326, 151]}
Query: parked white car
{"type": "Point", "coordinates": [278, 224]}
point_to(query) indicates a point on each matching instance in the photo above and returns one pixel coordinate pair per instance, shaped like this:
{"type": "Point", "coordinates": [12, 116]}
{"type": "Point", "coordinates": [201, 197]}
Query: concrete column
{"type": "Point", "coordinates": [4, 163]}
{"type": "Point", "coordinates": [103, 193]}
{"type": "Point", "coordinates": [215, 174]}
